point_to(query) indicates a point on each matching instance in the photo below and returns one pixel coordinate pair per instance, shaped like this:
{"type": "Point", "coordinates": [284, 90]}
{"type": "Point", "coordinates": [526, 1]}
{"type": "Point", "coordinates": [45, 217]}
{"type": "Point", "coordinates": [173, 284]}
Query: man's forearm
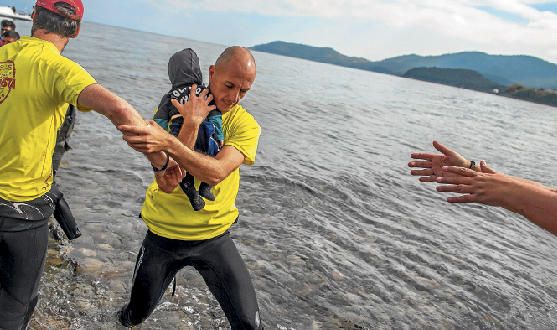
{"type": "Point", "coordinates": [118, 111]}
{"type": "Point", "coordinates": [535, 202]}
{"type": "Point", "coordinates": [204, 168]}
{"type": "Point", "coordinates": [188, 134]}
{"type": "Point", "coordinates": [110, 105]}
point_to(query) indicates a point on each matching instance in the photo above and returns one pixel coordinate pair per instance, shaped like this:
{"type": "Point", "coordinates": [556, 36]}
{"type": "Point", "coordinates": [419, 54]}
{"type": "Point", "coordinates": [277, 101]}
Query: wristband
{"type": "Point", "coordinates": [164, 167]}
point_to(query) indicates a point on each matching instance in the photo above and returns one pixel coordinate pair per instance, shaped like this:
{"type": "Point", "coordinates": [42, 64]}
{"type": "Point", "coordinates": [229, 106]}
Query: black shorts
{"type": "Point", "coordinates": [217, 260]}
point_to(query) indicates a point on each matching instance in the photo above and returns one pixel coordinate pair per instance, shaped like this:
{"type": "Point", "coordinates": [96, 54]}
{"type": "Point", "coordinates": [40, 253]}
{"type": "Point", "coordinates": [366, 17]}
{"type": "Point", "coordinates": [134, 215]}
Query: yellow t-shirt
{"type": "Point", "coordinates": [171, 215]}
{"type": "Point", "coordinates": [36, 86]}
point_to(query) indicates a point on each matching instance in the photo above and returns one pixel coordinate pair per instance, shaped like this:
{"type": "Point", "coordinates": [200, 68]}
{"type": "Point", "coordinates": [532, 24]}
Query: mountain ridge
{"type": "Point", "coordinates": [502, 69]}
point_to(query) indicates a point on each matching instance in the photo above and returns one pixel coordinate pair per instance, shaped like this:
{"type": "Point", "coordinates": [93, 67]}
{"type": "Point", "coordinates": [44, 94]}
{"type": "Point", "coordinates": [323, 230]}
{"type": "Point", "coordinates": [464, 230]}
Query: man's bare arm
{"type": "Point", "coordinates": [528, 198]}
{"type": "Point", "coordinates": [188, 134]}
{"type": "Point", "coordinates": [110, 105]}
{"type": "Point", "coordinates": [117, 110]}
{"type": "Point", "coordinates": [535, 202]}
{"type": "Point", "coordinates": [207, 169]}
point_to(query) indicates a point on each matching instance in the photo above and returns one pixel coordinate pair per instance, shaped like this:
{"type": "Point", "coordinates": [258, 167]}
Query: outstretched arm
{"type": "Point", "coordinates": [118, 111]}
{"type": "Point", "coordinates": [110, 105]}
{"type": "Point", "coordinates": [530, 199]}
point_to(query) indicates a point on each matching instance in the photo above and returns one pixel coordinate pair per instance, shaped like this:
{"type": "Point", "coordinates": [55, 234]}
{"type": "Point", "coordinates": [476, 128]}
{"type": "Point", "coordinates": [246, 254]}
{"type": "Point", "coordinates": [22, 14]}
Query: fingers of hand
{"type": "Point", "coordinates": [128, 129]}
{"type": "Point", "coordinates": [426, 172]}
{"type": "Point", "coordinates": [134, 139]}
{"type": "Point", "coordinates": [176, 104]}
{"type": "Point", "coordinates": [209, 98]}
{"type": "Point", "coordinates": [424, 164]}
{"type": "Point", "coordinates": [192, 91]}
{"type": "Point", "coordinates": [446, 151]}
{"type": "Point", "coordinates": [422, 156]}
{"type": "Point", "coordinates": [462, 171]}
{"type": "Point", "coordinates": [139, 148]}
{"type": "Point", "coordinates": [469, 198]}
{"type": "Point", "coordinates": [204, 94]}
{"type": "Point", "coordinates": [454, 180]}
{"type": "Point", "coordinates": [431, 178]}
{"type": "Point", "coordinates": [456, 188]}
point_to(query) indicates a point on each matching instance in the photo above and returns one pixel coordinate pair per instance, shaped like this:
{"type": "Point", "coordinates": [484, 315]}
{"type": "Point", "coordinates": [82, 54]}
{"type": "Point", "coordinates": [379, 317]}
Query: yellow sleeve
{"type": "Point", "coordinates": [245, 137]}
{"type": "Point", "coordinates": [71, 80]}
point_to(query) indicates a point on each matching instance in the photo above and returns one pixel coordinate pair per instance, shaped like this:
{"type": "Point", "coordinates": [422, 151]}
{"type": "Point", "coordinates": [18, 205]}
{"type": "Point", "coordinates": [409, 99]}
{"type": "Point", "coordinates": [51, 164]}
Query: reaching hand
{"type": "Point", "coordinates": [197, 108]}
{"type": "Point", "coordinates": [431, 165]}
{"type": "Point", "coordinates": [169, 180]}
{"type": "Point", "coordinates": [486, 187]}
{"type": "Point", "coordinates": [146, 139]}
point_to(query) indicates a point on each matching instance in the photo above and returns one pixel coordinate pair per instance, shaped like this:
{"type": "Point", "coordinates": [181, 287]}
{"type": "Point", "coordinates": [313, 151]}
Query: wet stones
{"type": "Point", "coordinates": [104, 246]}
{"type": "Point", "coordinates": [83, 252]}
{"type": "Point", "coordinates": [89, 265]}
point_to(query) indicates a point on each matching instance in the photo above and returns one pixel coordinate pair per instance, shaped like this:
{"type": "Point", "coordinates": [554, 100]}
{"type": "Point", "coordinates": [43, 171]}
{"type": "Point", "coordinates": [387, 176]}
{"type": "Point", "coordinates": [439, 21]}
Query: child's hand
{"type": "Point", "coordinates": [197, 108]}
{"type": "Point", "coordinates": [169, 179]}
{"type": "Point", "coordinates": [174, 175]}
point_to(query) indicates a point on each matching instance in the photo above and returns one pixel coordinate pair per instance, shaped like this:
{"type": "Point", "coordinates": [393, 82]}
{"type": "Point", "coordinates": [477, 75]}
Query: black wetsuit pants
{"type": "Point", "coordinates": [217, 260]}
{"type": "Point", "coordinates": [23, 247]}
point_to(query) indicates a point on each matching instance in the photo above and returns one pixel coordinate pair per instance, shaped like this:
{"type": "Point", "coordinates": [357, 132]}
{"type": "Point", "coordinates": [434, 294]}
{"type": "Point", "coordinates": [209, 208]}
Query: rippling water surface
{"type": "Point", "coordinates": [334, 231]}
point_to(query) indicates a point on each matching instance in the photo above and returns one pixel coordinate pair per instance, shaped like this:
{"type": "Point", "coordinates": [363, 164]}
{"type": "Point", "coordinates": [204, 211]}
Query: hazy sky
{"type": "Point", "coordinates": [374, 29]}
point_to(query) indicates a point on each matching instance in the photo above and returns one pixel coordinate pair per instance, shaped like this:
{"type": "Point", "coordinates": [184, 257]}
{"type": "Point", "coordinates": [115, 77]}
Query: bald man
{"type": "Point", "coordinates": [177, 235]}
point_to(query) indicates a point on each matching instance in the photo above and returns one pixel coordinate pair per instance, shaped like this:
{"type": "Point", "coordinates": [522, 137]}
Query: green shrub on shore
{"type": "Point", "coordinates": [537, 95]}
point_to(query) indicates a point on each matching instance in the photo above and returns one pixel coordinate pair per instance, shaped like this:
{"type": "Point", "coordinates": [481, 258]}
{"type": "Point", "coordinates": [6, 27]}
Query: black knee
{"type": "Point", "coordinates": [247, 321]}
{"type": "Point", "coordinates": [129, 318]}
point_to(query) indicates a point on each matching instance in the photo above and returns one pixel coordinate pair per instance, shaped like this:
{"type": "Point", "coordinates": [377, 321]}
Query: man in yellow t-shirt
{"type": "Point", "coordinates": [177, 235]}
{"type": "Point", "coordinates": [36, 85]}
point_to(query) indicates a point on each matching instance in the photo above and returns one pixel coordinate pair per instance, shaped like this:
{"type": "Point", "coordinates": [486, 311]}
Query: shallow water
{"type": "Point", "coordinates": [334, 231]}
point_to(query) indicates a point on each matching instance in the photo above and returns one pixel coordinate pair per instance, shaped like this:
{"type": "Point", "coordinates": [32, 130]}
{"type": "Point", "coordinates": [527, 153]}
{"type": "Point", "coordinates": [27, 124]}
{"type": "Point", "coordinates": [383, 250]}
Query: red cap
{"type": "Point", "coordinates": [76, 4]}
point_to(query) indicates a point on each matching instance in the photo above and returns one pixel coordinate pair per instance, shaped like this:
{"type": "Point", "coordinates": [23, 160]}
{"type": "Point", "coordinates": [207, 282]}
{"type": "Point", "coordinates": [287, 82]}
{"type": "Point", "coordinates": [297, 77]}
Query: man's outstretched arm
{"type": "Point", "coordinates": [532, 200]}
{"type": "Point", "coordinates": [110, 105]}
{"type": "Point", "coordinates": [118, 111]}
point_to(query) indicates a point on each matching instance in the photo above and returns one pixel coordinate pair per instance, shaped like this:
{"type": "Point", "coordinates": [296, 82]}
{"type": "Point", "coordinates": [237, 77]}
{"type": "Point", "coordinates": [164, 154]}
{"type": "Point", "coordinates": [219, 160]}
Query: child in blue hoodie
{"type": "Point", "coordinates": [183, 72]}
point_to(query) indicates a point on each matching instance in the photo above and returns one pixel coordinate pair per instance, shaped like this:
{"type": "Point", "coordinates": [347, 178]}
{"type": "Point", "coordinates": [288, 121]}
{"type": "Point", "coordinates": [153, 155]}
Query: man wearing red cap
{"type": "Point", "coordinates": [36, 85]}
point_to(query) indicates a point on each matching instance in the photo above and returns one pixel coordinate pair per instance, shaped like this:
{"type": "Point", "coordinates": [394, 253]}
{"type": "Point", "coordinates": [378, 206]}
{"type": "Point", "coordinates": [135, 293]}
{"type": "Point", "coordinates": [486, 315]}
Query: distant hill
{"type": "Point", "coordinates": [316, 54]}
{"type": "Point", "coordinates": [461, 78]}
{"type": "Point", "coordinates": [505, 70]}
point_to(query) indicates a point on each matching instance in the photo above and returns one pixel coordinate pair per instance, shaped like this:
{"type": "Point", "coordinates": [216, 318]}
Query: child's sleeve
{"type": "Point", "coordinates": [162, 117]}
{"type": "Point", "coordinates": [215, 118]}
